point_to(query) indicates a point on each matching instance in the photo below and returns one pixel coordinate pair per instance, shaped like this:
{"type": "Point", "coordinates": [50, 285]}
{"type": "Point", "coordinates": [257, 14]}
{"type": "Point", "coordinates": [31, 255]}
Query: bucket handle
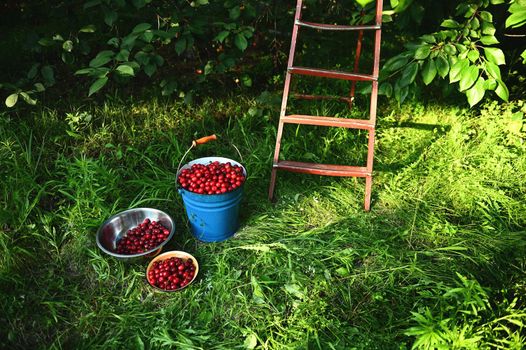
{"type": "Point", "coordinates": [202, 141]}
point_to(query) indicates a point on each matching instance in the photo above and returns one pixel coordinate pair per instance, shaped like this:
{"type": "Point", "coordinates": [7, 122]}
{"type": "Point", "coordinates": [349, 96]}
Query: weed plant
{"type": "Point", "coordinates": [439, 262]}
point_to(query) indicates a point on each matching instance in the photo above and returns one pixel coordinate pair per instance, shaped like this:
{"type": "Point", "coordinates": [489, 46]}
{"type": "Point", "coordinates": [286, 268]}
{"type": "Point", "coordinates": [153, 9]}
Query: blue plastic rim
{"type": "Point", "coordinates": [213, 217]}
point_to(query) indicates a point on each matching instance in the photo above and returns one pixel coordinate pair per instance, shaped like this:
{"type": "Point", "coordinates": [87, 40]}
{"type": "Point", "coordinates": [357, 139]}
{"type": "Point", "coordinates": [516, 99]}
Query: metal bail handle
{"type": "Point", "coordinates": [202, 141]}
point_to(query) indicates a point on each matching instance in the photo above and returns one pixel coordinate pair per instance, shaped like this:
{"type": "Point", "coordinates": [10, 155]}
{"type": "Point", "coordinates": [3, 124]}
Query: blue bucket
{"type": "Point", "coordinates": [213, 217]}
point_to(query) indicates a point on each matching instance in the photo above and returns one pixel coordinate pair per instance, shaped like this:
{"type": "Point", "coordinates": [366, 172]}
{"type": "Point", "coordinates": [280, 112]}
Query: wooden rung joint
{"type": "Point", "coordinates": [322, 169]}
{"type": "Point", "coordinates": [333, 74]}
{"type": "Point", "coordinates": [328, 121]}
{"type": "Point", "coordinates": [337, 27]}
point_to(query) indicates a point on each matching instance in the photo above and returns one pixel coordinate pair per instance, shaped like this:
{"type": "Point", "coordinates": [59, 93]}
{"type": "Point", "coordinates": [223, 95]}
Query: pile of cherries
{"type": "Point", "coordinates": [213, 178]}
{"type": "Point", "coordinates": [147, 235]}
{"type": "Point", "coordinates": [171, 274]}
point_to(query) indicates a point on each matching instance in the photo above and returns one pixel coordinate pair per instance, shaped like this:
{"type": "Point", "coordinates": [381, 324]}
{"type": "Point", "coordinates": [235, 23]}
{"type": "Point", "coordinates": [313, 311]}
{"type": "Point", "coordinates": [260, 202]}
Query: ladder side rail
{"type": "Point", "coordinates": [356, 62]}
{"type": "Point", "coordinates": [285, 98]}
{"type": "Point", "coordinates": [373, 106]}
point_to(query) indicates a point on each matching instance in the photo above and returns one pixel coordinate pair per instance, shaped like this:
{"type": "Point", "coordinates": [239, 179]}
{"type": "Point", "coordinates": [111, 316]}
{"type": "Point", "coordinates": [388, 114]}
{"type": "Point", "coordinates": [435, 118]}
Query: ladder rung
{"type": "Point", "coordinates": [331, 74]}
{"type": "Point", "coordinates": [323, 26]}
{"type": "Point", "coordinates": [328, 121]}
{"type": "Point", "coordinates": [322, 169]}
{"type": "Point", "coordinates": [347, 99]}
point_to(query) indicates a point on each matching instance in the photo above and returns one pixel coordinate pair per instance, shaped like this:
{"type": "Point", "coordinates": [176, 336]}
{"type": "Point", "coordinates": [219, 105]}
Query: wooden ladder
{"type": "Point", "coordinates": [367, 124]}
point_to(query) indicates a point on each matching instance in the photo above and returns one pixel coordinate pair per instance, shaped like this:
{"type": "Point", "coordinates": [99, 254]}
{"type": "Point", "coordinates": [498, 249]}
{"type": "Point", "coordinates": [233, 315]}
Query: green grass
{"type": "Point", "coordinates": [440, 259]}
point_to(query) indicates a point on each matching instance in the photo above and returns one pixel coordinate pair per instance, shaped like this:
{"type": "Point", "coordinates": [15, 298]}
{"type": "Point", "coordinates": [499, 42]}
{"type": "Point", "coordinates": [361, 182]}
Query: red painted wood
{"type": "Point", "coordinates": [336, 27]}
{"type": "Point", "coordinates": [328, 121]}
{"type": "Point", "coordinates": [322, 169]}
{"type": "Point", "coordinates": [333, 74]}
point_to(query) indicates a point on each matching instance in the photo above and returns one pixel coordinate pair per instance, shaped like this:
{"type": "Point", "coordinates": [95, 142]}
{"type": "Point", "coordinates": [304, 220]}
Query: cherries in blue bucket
{"type": "Point", "coordinates": [212, 178]}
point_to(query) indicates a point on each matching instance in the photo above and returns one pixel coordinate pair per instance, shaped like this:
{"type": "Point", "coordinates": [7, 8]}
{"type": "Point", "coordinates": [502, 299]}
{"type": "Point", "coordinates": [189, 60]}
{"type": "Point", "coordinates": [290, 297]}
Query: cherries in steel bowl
{"type": "Point", "coordinates": [135, 233]}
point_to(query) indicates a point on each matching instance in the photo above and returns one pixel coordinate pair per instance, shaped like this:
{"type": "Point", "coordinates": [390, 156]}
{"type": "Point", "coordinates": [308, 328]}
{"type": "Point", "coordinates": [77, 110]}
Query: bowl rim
{"type": "Point", "coordinates": [167, 255]}
{"type": "Point", "coordinates": [146, 253]}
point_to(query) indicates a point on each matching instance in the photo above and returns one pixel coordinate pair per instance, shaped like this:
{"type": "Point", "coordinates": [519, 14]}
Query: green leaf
{"type": "Point", "coordinates": [125, 70]}
{"type": "Point", "coordinates": [158, 60]}
{"type": "Point", "coordinates": [401, 94]}
{"type": "Point", "coordinates": [234, 12]}
{"type": "Point", "coordinates": [469, 77]}
{"type": "Point", "coordinates": [67, 57]}
{"type": "Point", "coordinates": [84, 71]}
{"type": "Point", "coordinates": [90, 28]}
{"type": "Point", "coordinates": [422, 52]}
{"type": "Point", "coordinates": [428, 38]}
{"type": "Point", "coordinates": [475, 24]}
{"type": "Point", "coordinates": [147, 36]}
{"type": "Point", "coordinates": [442, 66]}
{"type": "Point", "coordinates": [240, 41]}
{"type": "Point", "coordinates": [150, 69]}
{"type": "Point", "coordinates": [409, 74]}
{"type": "Point", "coordinates": [46, 42]}
{"type": "Point", "coordinates": [497, 2]}
{"type": "Point", "coordinates": [395, 63]}
{"type": "Point", "coordinates": [246, 80]}
{"type": "Point", "coordinates": [123, 55]}
{"type": "Point", "coordinates": [473, 55]}
{"type": "Point", "coordinates": [128, 42]}
{"type": "Point", "coordinates": [476, 93]}
{"type": "Point", "coordinates": [138, 4]}
{"type": "Point", "coordinates": [502, 90]}
{"type": "Point", "coordinates": [493, 70]}
{"type": "Point", "coordinates": [180, 45]}
{"type": "Point", "coordinates": [450, 23]}
{"type": "Point", "coordinates": [455, 74]}
{"type": "Point", "coordinates": [516, 19]}
{"type": "Point", "coordinates": [113, 42]}
{"type": "Point", "coordinates": [450, 49]}
{"type": "Point", "coordinates": [67, 45]}
{"type": "Point", "coordinates": [488, 28]}
{"type": "Point", "coordinates": [222, 36]}
{"type": "Point", "coordinates": [490, 84]}
{"type": "Point", "coordinates": [495, 55]}
{"type": "Point", "coordinates": [141, 27]}
{"type": "Point", "coordinates": [429, 71]}
{"type": "Point", "coordinates": [28, 98]}
{"type": "Point", "coordinates": [486, 16]}
{"type": "Point", "coordinates": [364, 3]}
{"type": "Point", "coordinates": [489, 40]}
{"type": "Point", "coordinates": [48, 75]}
{"type": "Point", "coordinates": [33, 71]}
{"type": "Point", "coordinates": [523, 56]}
{"type": "Point", "coordinates": [11, 100]}
{"type": "Point", "coordinates": [97, 85]}
{"type": "Point", "coordinates": [91, 3]}
{"type": "Point", "coordinates": [385, 89]}
{"type": "Point", "coordinates": [250, 341]}
{"type": "Point", "coordinates": [39, 87]}
{"type": "Point", "coordinates": [142, 57]}
{"type": "Point", "coordinates": [110, 17]}
{"type": "Point", "coordinates": [101, 59]}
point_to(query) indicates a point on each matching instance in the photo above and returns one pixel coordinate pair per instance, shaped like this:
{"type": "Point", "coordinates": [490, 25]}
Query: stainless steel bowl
{"type": "Point", "coordinates": [116, 227]}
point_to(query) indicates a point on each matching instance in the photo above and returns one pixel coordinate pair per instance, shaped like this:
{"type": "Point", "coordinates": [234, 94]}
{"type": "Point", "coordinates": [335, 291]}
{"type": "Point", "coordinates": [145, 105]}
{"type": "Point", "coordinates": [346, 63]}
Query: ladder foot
{"type": "Point", "coordinates": [272, 185]}
{"type": "Point", "coordinates": [368, 187]}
